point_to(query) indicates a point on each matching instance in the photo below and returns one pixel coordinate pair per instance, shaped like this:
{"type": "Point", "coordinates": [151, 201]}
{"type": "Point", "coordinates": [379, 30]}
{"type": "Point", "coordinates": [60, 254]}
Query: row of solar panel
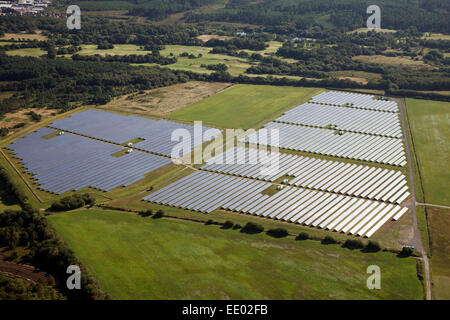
{"type": "Point", "coordinates": [355, 100]}
{"type": "Point", "coordinates": [326, 142]}
{"type": "Point", "coordinates": [111, 127]}
{"type": "Point", "coordinates": [326, 175]}
{"type": "Point", "coordinates": [206, 192]}
{"type": "Point", "coordinates": [349, 119]}
{"type": "Point", "coordinates": [71, 162]}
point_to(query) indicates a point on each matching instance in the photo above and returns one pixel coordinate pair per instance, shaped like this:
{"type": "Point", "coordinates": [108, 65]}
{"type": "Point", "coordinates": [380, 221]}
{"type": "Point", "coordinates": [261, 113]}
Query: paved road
{"type": "Point", "coordinates": [417, 239]}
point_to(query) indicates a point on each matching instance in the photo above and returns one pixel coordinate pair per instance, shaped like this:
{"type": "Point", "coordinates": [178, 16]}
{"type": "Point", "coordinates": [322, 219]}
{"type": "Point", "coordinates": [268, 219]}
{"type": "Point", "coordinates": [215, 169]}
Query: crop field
{"type": "Point", "coordinates": [163, 101]}
{"type": "Point", "coordinates": [244, 106]}
{"type": "Point", "coordinates": [440, 261]}
{"type": "Point", "coordinates": [430, 125]}
{"type": "Point", "coordinates": [145, 258]}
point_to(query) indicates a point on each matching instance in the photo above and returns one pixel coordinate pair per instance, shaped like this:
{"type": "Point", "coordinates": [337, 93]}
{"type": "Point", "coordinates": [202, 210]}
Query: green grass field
{"type": "Point", "coordinates": [440, 261]}
{"type": "Point", "coordinates": [244, 106]}
{"type": "Point", "coordinates": [235, 65]}
{"type": "Point", "coordinates": [430, 125]}
{"type": "Point", "coordinates": [32, 52]}
{"type": "Point", "coordinates": [145, 258]}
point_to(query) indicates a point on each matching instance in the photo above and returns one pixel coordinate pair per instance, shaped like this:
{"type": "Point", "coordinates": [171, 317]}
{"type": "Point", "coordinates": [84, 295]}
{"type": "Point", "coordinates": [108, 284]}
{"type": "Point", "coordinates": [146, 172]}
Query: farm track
{"type": "Point", "coordinates": [417, 239]}
{"type": "Point", "coordinates": [22, 271]}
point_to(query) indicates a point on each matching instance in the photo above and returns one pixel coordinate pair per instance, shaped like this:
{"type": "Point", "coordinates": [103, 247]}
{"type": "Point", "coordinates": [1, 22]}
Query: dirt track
{"type": "Point", "coordinates": [21, 271]}
{"type": "Point", "coordinates": [417, 239]}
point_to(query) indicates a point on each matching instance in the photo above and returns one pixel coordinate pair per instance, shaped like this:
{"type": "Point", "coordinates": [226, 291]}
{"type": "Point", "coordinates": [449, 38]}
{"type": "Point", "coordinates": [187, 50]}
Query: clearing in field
{"type": "Point", "coordinates": [145, 258]}
{"type": "Point", "coordinates": [440, 261]}
{"type": "Point", "coordinates": [163, 101]}
{"type": "Point", "coordinates": [430, 126]}
{"type": "Point", "coordinates": [27, 52]}
{"type": "Point", "coordinates": [397, 61]}
{"type": "Point", "coordinates": [245, 106]}
{"type": "Point", "coordinates": [24, 36]}
{"type": "Point", "coordinates": [236, 66]}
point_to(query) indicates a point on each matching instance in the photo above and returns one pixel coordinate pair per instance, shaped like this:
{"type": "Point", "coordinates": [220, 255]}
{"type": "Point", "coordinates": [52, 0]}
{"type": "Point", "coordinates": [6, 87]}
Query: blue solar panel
{"type": "Point", "coordinates": [120, 129]}
{"type": "Point", "coordinates": [70, 162]}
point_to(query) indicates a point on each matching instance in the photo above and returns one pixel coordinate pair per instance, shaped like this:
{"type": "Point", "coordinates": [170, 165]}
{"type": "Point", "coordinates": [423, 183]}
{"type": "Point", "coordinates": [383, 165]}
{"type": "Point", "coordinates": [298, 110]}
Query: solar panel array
{"type": "Point", "coordinates": [206, 192]}
{"type": "Point", "coordinates": [319, 174]}
{"type": "Point", "coordinates": [355, 100]}
{"type": "Point", "coordinates": [348, 119]}
{"type": "Point", "coordinates": [71, 162]}
{"type": "Point", "coordinates": [326, 142]}
{"type": "Point", "coordinates": [120, 129]}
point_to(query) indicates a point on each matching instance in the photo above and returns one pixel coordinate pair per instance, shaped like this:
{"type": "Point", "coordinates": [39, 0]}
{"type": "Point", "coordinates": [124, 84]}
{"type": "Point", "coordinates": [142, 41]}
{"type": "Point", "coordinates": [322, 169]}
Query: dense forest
{"type": "Point", "coordinates": [430, 15]}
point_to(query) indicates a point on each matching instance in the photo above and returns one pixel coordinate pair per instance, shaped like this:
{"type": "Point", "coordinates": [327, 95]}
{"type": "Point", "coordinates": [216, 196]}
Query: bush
{"type": "Point", "coordinates": [237, 226]}
{"type": "Point", "coordinates": [372, 246]}
{"type": "Point", "coordinates": [159, 214]}
{"type": "Point", "coordinates": [72, 202]}
{"type": "Point", "coordinates": [302, 236]}
{"type": "Point", "coordinates": [252, 227]}
{"type": "Point", "coordinates": [406, 252]}
{"type": "Point", "coordinates": [353, 244]}
{"type": "Point", "coordinates": [278, 233]}
{"type": "Point", "coordinates": [329, 240]}
{"type": "Point", "coordinates": [227, 225]}
{"type": "Point", "coordinates": [146, 213]}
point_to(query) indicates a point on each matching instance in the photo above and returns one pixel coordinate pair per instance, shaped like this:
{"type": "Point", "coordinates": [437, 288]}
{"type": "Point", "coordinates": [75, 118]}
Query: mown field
{"type": "Point", "coordinates": [440, 261]}
{"type": "Point", "coordinates": [244, 106]}
{"type": "Point", "coordinates": [430, 125]}
{"type": "Point", "coordinates": [145, 258]}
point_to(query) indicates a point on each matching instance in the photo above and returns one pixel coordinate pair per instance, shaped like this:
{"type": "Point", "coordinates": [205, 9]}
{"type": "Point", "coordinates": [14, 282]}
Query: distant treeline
{"type": "Point", "coordinates": [63, 83]}
{"type": "Point", "coordinates": [132, 58]}
{"type": "Point", "coordinates": [430, 15]}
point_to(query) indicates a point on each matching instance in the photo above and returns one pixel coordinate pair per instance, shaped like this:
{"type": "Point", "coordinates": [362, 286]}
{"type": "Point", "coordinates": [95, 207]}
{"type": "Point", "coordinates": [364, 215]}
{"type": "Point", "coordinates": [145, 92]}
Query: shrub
{"type": "Point", "coordinates": [278, 233]}
{"type": "Point", "coordinates": [302, 236]}
{"type": "Point", "coordinates": [159, 214]}
{"type": "Point", "coordinates": [72, 202]}
{"type": "Point", "coordinates": [252, 227]}
{"type": "Point", "coordinates": [146, 213]}
{"type": "Point", "coordinates": [329, 240]}
{"type": "Point", "coordinates": [372, 246]}
{"type": "Point", "coordinates": [353, 244]}
{"type": "Point", "coordinates": [227, 225]}
{"type": "Point", "coordinates": [406, 252]}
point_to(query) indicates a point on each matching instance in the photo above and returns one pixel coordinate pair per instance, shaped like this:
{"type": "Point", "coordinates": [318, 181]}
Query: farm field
{"type": "Point", "coordinates": [430, 126]}
{"type": "Point", "coordinates": [27, 52]}
{"type": "Point", "coordinates": [163, 101]}
{"type": "Point", "coordinates": [439, 220]}
{"type": "Point", "coordinates": [145, 258]}
{"type": "Point", "coordinates": [244, 106]}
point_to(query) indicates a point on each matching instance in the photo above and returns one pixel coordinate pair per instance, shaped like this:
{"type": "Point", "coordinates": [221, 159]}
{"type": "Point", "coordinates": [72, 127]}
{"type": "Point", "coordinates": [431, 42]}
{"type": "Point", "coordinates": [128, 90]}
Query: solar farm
{"type": "Point", "coordinates": [356, 189]}
{"type": "Point", "coordinates": [356, 199]}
